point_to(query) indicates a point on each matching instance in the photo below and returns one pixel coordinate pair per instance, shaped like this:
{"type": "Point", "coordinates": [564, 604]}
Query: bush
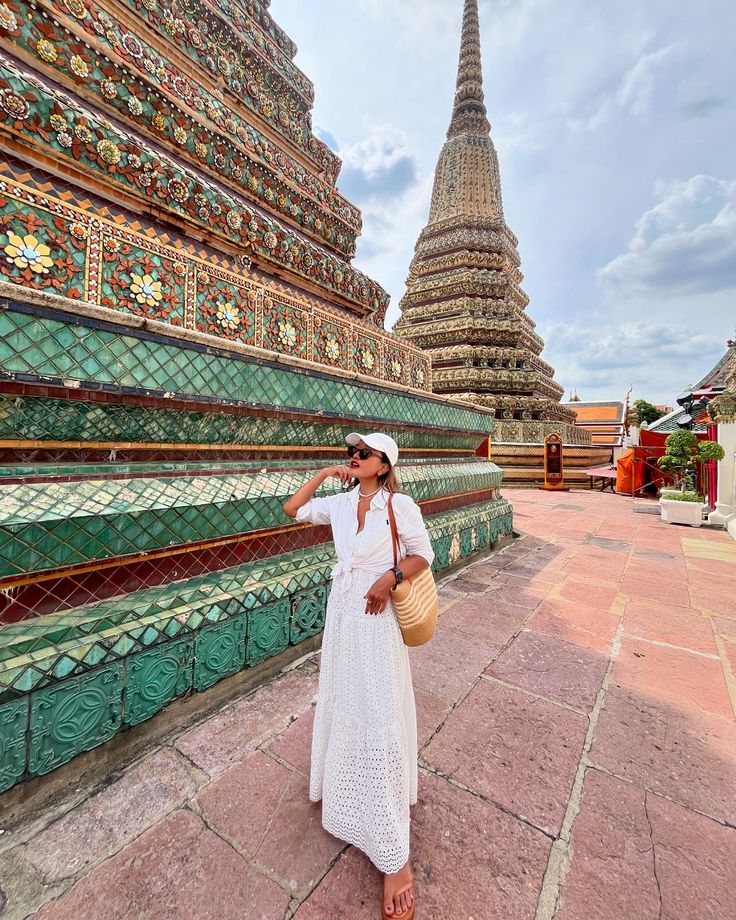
{"type": "Point", "coordinates": [675, 496]}
{"type": "Point", "coordinates": [683, 452]}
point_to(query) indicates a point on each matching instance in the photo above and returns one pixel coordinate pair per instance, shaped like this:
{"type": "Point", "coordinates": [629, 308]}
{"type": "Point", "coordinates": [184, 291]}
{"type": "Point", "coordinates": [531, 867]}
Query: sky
{"type": "Point", "coordinates": [614, 122]}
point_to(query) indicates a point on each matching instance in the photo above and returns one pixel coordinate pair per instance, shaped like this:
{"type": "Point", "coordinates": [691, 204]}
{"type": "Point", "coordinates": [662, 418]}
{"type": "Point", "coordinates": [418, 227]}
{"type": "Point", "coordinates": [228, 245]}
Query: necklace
{"type": "Point", "coordinates": [370, 494]}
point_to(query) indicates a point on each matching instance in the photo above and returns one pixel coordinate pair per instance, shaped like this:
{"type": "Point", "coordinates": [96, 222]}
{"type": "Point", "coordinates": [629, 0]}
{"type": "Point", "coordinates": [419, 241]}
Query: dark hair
{"type": "Point", "coordinates": [389, 481]}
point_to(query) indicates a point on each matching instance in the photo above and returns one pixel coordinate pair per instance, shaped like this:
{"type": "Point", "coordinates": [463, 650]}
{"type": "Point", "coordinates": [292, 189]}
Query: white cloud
{"type": "Point", "coordinates": [378, 168]}
{"type": "Point", "coordinates": [632, 93]}
{"type": "Point", "coordinates": [685, 244]}
{"type": "Point", "coordinates": [378, 153]}
{"type": "Point", "coordinates": [602, 361]}
{"type": "Point", "coordinates": [637, 87]}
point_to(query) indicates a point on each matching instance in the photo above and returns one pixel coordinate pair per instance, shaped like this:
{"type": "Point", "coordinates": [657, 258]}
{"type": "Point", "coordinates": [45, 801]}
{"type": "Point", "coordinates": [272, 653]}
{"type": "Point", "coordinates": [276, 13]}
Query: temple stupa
{"type": "Point", "coordinates": [464, 303]}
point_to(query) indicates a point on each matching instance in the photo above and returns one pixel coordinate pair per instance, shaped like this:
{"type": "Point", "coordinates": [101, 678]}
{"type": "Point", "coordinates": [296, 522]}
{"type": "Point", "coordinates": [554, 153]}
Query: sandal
{"type": "Point", "coordinates": [407, 915]}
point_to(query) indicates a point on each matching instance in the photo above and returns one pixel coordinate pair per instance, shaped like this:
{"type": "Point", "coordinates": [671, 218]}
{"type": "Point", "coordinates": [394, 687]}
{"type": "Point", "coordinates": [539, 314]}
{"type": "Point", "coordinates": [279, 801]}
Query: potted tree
{"type": "Point", "coordinates": [683, 452]}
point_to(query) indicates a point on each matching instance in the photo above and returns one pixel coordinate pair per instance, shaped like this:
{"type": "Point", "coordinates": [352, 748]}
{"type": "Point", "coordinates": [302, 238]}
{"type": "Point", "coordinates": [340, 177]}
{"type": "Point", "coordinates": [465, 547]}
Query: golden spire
{"type": "Point", "coordinates": [469, 113]}
{"type": "Point", "coordinates": [467, 185]}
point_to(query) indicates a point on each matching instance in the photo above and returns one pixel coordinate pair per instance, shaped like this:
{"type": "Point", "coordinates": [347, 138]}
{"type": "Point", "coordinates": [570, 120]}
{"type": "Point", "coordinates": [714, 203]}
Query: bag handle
{"type": "Point", "coordinates": [394, 529]}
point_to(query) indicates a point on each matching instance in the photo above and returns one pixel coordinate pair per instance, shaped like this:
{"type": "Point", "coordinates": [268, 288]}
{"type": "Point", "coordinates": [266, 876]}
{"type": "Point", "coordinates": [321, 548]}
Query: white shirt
{"type": "Point", "coordinates": [371, 550]}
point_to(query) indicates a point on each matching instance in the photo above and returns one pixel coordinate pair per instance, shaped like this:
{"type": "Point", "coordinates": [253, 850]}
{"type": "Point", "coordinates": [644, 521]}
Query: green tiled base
{"type": "Point", "coordinates": [268, 632]}
{"type": "Point", "coordinates": [156, 644]}
{"type": "Point", "coordinates": [47, 525]}
{"type": "Point", "coordinates": [308, 614]}
{"type": "Point", "coordinates": [154, 678]}
{"type": "Point", "coordinates": [31, 651]}
{"type": "Point", "coordinates": [219, 652]}
{"type": "Point", "coordinates": [74, 716]}
{"type": "Point", "coordinates": [13, 740]}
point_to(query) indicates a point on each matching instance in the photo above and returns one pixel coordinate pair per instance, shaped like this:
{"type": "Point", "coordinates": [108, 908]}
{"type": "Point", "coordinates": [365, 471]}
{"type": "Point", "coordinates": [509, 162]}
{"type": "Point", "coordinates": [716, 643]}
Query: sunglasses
{"type": "Point", "coordinates": [363, 452]}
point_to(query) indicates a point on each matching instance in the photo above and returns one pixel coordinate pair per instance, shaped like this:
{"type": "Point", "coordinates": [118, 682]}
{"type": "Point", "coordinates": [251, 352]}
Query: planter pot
{"type": "Point", "coordinates": [674, 512]}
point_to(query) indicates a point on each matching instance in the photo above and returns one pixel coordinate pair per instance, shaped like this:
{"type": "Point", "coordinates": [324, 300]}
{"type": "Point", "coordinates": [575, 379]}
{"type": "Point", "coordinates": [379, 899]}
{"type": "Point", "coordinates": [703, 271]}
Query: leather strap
{"type": "Point", "coordinates": [394, 530]}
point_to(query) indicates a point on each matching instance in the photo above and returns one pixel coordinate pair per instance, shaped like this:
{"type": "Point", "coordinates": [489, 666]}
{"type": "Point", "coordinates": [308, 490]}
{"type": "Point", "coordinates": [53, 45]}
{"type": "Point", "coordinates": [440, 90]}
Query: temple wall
{"type": "Point", "coordinates": [183, 342]}
{"type": "Point", "coordinates": [145, 551]}
{"type": "Point", "coordinates": [724, 514]}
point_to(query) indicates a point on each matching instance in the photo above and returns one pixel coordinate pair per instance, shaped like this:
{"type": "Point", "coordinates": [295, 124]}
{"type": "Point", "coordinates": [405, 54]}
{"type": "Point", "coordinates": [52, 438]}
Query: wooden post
{"type": "Point", "coordinates": [554, 475]}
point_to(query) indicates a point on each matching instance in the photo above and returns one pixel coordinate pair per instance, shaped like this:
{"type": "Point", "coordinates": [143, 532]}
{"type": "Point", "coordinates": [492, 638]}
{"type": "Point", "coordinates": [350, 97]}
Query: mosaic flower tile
{"type": "Point", "coordinates": [131, 166]}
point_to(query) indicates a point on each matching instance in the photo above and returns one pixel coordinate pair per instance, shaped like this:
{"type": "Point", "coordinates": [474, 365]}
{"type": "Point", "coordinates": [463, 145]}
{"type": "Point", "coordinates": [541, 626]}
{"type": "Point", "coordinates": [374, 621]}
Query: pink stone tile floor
{"type": "Point", "coordinates": [577, 756]}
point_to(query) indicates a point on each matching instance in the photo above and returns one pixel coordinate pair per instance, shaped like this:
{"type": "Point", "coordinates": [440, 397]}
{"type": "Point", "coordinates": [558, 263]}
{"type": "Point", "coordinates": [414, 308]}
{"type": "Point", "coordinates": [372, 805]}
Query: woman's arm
{"type": "Point", "coordinates": [293, 504]}
{"type": "Point", "coordinates": [380, 591]}
{"type": "Point", "coordinates": [414, 536]}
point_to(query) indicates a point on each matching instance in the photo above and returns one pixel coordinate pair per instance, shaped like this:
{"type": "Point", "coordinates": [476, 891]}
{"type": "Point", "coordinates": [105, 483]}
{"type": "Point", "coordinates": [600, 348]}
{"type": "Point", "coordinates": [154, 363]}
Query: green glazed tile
{"type": "Point", "coordinates": [268, 631]}
{"type": "Point", "coordinates": [74, 716]}
{"type": "Point", "coordinates": [13, 741]}
{"type": "Point", "coordinates": [219, 651]}
{"type": "Point", "coordinates": [307, 614]}
{"type": "Point", "coordinates": [155, 677]}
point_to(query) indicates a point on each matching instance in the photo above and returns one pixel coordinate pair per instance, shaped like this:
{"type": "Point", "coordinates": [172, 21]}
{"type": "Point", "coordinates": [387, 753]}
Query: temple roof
{"type": "Point", "coordinates": [721, 373]}
{"type": "Point", "coordinates": [604, 421]}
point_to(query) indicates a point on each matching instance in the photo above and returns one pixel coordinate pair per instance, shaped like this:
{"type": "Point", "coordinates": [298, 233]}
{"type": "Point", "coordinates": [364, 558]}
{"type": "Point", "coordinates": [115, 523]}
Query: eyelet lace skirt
{"type": "Point", "coordinates": [364, 746]}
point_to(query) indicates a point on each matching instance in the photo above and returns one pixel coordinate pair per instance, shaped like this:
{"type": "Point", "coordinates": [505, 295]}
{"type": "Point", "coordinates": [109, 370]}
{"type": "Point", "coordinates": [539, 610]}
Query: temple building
{"type": "Point", "coordinates": [604, 420]}
{"type": "Point", "coordinates": [183, 341]}
{"type": "Point", "coordinates": [464, 304]}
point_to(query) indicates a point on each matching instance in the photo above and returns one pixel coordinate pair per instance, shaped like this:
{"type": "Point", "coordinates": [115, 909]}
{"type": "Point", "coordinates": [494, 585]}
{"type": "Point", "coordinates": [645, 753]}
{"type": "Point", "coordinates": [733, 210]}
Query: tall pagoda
{"type": "Point", "coordinates": [463, 302]}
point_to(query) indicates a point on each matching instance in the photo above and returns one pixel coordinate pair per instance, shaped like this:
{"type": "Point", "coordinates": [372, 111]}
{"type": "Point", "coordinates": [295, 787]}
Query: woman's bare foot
{"type": "Point", "coordinates": [397, 905]}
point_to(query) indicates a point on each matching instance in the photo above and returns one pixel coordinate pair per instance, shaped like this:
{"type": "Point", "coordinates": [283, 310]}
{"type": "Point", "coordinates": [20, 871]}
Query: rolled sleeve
{"type": "Point", "coordinates": [316, 511]}
{"type": "Point", "coordinates": [412, 529]}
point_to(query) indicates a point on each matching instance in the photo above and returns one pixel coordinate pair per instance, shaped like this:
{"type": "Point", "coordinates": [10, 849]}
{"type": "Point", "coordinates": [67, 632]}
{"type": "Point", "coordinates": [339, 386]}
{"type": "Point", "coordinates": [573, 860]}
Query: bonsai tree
{"type": "Point", "coordinates": [683, 453]}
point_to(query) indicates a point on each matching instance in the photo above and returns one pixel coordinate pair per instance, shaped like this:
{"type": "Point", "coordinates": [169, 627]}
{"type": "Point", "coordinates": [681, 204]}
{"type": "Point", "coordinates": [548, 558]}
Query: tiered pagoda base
{"type": "Point", "coordinates": [523, 464]}
{"type": "Point", "coordinates": [145, 551]}
{"type": "Point", "coordinates": [183, 341]}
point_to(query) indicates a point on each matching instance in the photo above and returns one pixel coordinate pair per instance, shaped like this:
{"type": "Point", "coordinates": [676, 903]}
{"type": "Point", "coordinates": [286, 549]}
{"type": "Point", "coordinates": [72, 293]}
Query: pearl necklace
{"type": "Point", "coordinates": [370, 494]}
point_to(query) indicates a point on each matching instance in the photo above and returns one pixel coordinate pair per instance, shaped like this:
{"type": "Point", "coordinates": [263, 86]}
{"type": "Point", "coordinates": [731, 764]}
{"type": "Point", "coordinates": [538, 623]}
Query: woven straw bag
{"type": "Point", "coordinates": [415, 599]}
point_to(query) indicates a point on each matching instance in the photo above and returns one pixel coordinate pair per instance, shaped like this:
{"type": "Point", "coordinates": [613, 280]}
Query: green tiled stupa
{"type": "Point", "coordinates": [183, 341]}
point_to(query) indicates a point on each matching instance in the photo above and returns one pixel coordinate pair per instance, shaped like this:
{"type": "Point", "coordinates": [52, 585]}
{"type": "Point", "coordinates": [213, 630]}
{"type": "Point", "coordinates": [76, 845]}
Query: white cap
{"type": "Point", "coordinates": [377, 441]}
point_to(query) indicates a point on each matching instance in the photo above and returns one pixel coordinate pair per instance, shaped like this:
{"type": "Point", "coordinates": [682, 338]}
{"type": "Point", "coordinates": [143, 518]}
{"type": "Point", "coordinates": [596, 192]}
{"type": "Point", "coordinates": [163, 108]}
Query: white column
{"type": "Point", "coordinates": [725, 510]}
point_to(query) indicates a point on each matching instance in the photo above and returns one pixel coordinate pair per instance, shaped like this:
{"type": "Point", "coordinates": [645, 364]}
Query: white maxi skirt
{"type": "Point", "coordinates": [364, 746]}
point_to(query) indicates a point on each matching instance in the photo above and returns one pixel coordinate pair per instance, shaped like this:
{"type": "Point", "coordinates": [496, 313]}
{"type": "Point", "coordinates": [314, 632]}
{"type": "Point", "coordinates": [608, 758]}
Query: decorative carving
{"type": "Point", "coordinates": [722, 409]}
{"type": "Point", "coordinates": [308, 614]}
{"type": "Point", "coordinates": [74, 716]}
{"type": "Point", "coordinates": [268, 631]}
{"type": "Point", "coordinates": [219, 652]}
{"type": "Point", "coordinates": [156, 677]}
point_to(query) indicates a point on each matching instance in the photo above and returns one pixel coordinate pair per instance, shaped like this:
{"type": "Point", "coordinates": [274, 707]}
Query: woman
{"type": "Point", "coordinates": [364, 746]}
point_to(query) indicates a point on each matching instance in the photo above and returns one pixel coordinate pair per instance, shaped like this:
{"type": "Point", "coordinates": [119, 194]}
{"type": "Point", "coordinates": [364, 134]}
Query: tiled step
{"type": "Point", "coordinates": [47, 649]}
{"type": "Point", "coordinates": [35, 418]}
{"type": "Point", "coordinates": [69, 682]}
{"type": "Point", "coordinates": [57, 349]}
{"type": "Point", "coordinates": [51, 525]}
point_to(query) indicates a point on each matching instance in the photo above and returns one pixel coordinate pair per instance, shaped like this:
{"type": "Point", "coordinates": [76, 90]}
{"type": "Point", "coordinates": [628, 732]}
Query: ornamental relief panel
{"type": "Point", "coordinates": [49, 245]}
{"type": "Point", "coordinates": [85, 141]}
{"type": "Point", "coordinates": [471, 306]}
{"type": "Point", "coordinates": [237, 153]}
{"type": "Point", "coordinates": [482, 238]}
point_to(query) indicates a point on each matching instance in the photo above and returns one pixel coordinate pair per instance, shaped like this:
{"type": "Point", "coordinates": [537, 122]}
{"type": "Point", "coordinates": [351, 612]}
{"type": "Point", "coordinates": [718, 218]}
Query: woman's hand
{"type": "Point", "coordinates": [293, 504]}
{"type": "Point", "coordinates": [343, 473]}
{"type": "Point", "coordinates": [379, 593]}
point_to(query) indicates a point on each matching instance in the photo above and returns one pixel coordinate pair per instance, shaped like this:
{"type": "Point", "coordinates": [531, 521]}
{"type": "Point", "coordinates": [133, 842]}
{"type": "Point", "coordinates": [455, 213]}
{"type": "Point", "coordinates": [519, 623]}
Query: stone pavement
{"type": "Point", "coordinates": [578, 757]}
